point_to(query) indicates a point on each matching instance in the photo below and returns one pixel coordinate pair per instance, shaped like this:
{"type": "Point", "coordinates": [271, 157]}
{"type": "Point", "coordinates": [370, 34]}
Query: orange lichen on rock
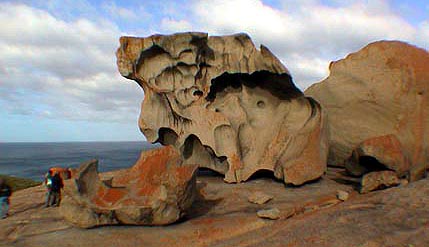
{"type": "Point", "coordinates": [183, 172]}
{"type": "Point", "coordinates": [388, 152]}
{"type": "Point", "coordinates": [113, 195]}
{"type": "Point", "coordinates": [156, 191]}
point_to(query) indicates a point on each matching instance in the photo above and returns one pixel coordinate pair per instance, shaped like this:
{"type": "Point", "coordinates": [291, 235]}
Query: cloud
{"type": "Point", "coordinates": [170, 25]}
{"type": "Point", "coordinates": [116, 11]}
{"type": "Point", "coordinates": [57, 60]}
{"type": "Point", "coordinates": [305, 35]}
{"type": "Point", "coordinates": [423, 35]}
{"type": "Point", "coordinates": [62, 69]}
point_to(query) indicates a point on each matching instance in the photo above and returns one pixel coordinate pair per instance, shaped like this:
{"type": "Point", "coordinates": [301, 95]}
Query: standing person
{"type": "Point", "coordinates": [5, 192]}
{"type": "Point", "coordinates": [57, 185]}
{"type": "Point", "coordinates": [48, 184]}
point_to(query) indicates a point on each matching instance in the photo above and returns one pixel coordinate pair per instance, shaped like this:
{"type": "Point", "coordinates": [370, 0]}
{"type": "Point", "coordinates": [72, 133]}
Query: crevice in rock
{"type": "Point", "coordinates": [198, 93]}
{"type": "Point", "coordinates": [371, 164]}
{"type": "Point", "coordinates": [188, 146]}
{"type": "Point", "coordinates": [149, 53]}
{"type": "Point", "coordinates": [279, 85]}
{"type": "Point", "coordinates": [167, 136]}
{"type": "Point", "coordinates": [176, 117]}
{"type": "Point", "coordinates": [314, 107]}
{"type": "Point", "coordinates": [263, 173]}
{"type": "Point", "coordinates": [203, 171]}
{"type": "Point", "coordinates": [358, 165]}
{"type": "Point", "coordinates": [194, 152]}
{"type": "Point", "coordinates": [308, 182]}
{"type": "Point", "coordinates": [204, 52]}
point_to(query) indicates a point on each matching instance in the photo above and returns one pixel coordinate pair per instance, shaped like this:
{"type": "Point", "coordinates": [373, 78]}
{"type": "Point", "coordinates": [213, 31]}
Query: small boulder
{"type": "Point", "coordinates": [272, 213]}
{"type": "Point", "coordinates": [259, 198]}
{"type": "Point", "coordinates": [342, 195]}
{"type": "Point", "coordinates": [157, 190]}
{"type": "Point", "coordinates": [378, 180]}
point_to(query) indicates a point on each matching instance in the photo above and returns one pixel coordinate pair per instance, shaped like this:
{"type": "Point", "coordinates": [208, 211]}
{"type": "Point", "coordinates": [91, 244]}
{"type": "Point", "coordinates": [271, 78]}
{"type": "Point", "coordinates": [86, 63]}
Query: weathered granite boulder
{"type": "Point", "coordinates": [157, 190]}
{"type": "Point", "coordinates": [225, 105]}
{"type": "Point", "coordinates": [378, 109]}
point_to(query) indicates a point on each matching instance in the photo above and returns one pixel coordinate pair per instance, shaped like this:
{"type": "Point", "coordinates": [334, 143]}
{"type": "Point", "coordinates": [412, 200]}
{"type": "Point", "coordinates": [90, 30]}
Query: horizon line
{"type": "Point", "coordinates": [5, 142]}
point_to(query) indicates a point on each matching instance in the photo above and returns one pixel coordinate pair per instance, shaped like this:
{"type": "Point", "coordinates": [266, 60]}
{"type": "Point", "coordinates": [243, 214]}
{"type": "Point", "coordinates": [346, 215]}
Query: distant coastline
{"type": "Point", "coordinates": [32, 159]}
{"type": "Point", "coordinates": [7, 142]}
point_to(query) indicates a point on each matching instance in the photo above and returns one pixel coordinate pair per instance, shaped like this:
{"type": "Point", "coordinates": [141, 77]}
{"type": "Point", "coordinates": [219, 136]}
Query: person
{"type": "Point", "coordinates": [5, 193]}
{"type": "Point", "coordinates": [48, 184]}
{"type": "Point", "coordinates": [57, 185]}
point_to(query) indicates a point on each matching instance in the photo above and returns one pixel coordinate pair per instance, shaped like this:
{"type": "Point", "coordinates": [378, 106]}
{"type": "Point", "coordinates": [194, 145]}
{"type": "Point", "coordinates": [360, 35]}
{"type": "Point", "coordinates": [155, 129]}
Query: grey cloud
{"type": "Point", "coordinates": [307, 29]}
{"type": "Point", "coordinates": [65, 68]}
{"type": "Point", "coordinates": [62, 70]}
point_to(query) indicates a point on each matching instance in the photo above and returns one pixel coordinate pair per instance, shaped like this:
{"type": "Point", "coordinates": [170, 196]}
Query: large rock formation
{"type": "Point", "coordinates": [225, 105]}
{"type": "Point", "coordinates": [377, 104]}
{"type": "Point", "coordinates": [157, 190]}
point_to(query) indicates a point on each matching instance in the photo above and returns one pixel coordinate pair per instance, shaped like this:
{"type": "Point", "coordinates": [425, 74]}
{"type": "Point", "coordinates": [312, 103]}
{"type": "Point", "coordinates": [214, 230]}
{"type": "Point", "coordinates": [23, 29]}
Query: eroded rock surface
{"type": "Point", "coordinates": [377, 104]}
{"type": "Point", "coordinates": [157, 190]}
{"type": "Point", "coordinates": [225, 105]}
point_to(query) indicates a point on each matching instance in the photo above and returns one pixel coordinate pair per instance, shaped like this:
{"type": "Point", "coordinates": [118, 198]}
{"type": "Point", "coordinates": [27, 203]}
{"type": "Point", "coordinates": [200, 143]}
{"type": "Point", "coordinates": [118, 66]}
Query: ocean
{"type": "Point", "coordinates": [32, 160]}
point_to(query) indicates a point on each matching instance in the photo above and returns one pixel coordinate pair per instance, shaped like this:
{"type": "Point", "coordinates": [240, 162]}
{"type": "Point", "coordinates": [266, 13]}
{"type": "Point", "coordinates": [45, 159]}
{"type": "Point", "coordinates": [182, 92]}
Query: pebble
{"type": "Point", "coordinates": [272, 213]}
{"type": "Point", "coordinates": [342, 195]}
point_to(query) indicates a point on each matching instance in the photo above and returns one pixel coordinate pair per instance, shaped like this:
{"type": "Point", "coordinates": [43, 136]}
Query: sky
{"type": "Point", "coordinates": [58, 75]}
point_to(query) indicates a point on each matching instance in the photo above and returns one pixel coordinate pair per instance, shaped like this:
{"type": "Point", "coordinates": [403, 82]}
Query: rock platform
{"type": "Point", "coordinates": [311, 215]}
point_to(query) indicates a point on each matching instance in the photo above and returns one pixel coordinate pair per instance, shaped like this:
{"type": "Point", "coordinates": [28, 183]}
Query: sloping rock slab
{"type": "Point", "coordinates": [380, 219]}
{"type": "Point", "coordinates": [219, 213]}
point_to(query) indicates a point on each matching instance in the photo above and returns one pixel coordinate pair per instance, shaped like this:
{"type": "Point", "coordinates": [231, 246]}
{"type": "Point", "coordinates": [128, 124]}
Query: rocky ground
{"type": "Point", "coordinates": [310, 215]}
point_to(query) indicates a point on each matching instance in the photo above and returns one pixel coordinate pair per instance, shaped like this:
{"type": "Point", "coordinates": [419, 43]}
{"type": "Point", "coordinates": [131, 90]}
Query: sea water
{"type": "Point", "coordinates": [32, 160]}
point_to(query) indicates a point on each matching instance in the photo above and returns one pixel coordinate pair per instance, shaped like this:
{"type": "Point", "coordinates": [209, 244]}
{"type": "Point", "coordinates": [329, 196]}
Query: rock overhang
{"type": "Point", "coordinates": [221, 101]}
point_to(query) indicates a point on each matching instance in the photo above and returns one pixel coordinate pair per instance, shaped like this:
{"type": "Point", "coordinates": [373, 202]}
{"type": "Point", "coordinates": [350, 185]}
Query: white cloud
{"type": "Point", "coordinates": [305, 35]}
{"type": "Point", "coordinates": [423, 35]}
{"type": "Point", "coordinates": [170, 25]}
{"type": "Point", "coordinates": [120, 12]}
{"type": "Point", "coordinates": [66, 69]}
{"type": "Point", "coordinates": [307, 70]}
{"type": "Point", "coordinates": [56, 67]}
